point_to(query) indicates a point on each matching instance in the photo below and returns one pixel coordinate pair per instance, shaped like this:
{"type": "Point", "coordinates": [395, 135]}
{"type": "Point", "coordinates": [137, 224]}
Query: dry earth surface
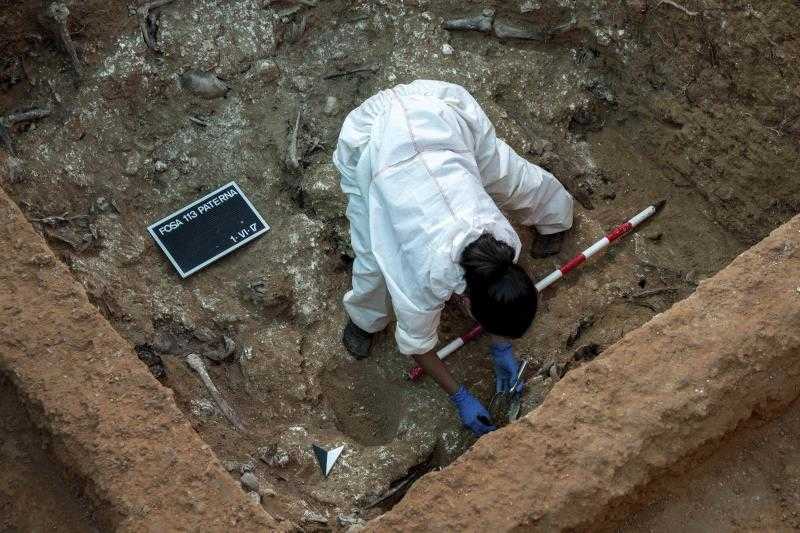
{"type": "Point", "coordinates": [751, 483]}
{"type": "Point", "coordinates": [638, 100]}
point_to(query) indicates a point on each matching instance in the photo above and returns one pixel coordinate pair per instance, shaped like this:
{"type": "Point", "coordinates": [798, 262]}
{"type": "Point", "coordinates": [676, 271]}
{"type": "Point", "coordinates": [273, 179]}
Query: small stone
{"type": "Point", "coordinates": [344, 520]}
{"type": "Point", "coordinates": [654, 236]}
{"type": "Point", "coordinates": [249, 481]}
{"type": "Point", "coordinates": [203, 408]}
{"type": "Point", "coordinates": [102, 204]}
{"type": "Point", "coordinates": [302, 83]}
{"type": "Point", "coordinates": [265, 69]}
{"type": "Point", "coordinates": [549, 158]}
{"type": "Point", "coordinates": [310, 517]}
{"type": "Point", "coordinates": [132, 164]}
{"type": "Point", "coordinates": [540, 146]}
{"type": "Point", "coordinates": [447, 49]}
{"type": "Point", "coordinates": [554, 371]}
{"type": "Point", "coordinates": [267, 492]}
{"type": "Point", "coordinates": [203, 84]}
{"type": "Point", "coordinates": [273, 456]}
{"type": "Point", "coordinates": [160, 166]}
{"type": "Point", "coordinates": [254, 497]}
{"type": "Point", "coordinates": [530, 5]}
{"type": "Point", "coordinates": [240, 466]}
{"type": "Point", "coordinates": [331, 106]}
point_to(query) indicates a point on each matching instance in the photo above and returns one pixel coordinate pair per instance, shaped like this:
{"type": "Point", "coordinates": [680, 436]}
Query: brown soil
{"type": "Point", "coordinates": [112, 426]}
{"type": "Point", "coordinates": [35, 493]}
{"type": "Point", "coordinates": [752, 483]}
{"type": "Point", "coordinates": [638, 101]}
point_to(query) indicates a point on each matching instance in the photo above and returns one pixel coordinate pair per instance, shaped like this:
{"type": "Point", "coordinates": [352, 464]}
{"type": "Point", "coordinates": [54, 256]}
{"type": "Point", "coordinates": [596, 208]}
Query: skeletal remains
{"type": "Point", "coordinates": [195, 362]}
{"type": "Point", "coordinates": [292, 157]}
{"type": "Point", "coordinates": [203, 84]}
{"type": "Point", "coordinates": [7, 122]}
{"type": "Point", "coordinates": [147, 14]}
{"type": "Point", "coordinates": [485, 23]}
{"type": "Point", "coordinates": [59, 13]}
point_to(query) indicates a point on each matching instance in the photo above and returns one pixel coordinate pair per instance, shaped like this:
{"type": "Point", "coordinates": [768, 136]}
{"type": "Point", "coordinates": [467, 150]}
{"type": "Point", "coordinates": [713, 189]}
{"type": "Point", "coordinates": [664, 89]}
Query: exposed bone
{"type": "Point", "coordinates": [506, 31]}
{"type": "Point", "coordinates": [486, 23]}
{"type": "Point", "coordinates": [148, 22]}
{"type": "Point", "coordinates": [228, 347]}
{"type": "Point", "coordinates": [57, 220]}
{"type": "Point", "coordinates": [482, 22]}
{"type": "Point", "coordinates": [292, 159]}
{"type": "Point", "coordinates": [368, 68]}
{"type": "Point", "coordinates": [195, 362]}
{"type": "Point", "coordinates": [22, 116]}
{"type": "Point", "coordinates": [289, 11]}
{"type": "Point", "coordinates": [198, 121]}
{"type": "Point", "coordinates": [677, 6]}
{"type": "Point", "coordinates": [203, 84]}
{"type": "Point", "coordinates": [59, 13]}
{"type": "Point", "coordinates": [245, 354]}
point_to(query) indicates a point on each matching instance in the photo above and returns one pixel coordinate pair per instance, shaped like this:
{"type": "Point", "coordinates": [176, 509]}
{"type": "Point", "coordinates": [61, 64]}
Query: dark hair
{"type": "Point", "coordinates": [502, 296]}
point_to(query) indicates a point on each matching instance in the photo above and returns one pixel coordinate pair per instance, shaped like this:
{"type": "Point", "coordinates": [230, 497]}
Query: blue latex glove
{"type": "Point", "coordinates": [506, 367]}
{"type": "Point", "coordinates": [472, 413]}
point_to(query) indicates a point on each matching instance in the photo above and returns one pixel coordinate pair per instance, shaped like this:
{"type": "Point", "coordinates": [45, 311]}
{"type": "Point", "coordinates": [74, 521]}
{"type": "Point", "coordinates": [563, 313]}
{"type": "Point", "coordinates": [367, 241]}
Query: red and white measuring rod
{"type": "Point", "coordinates": [623, 229]}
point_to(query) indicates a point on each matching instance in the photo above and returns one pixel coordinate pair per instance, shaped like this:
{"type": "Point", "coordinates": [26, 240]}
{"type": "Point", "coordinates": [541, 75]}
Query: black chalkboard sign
{"type": "Point", "coordinates": [207, 229]}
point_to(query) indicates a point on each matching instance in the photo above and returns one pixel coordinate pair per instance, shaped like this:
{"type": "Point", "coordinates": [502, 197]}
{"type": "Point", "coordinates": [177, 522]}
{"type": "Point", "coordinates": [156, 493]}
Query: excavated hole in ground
{"type": "Point", "coordinates": [629, 107]}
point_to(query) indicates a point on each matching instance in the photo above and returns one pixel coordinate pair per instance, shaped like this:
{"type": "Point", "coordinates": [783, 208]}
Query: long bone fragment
{"type": "Point", "coordinates": [59, 13]}
{"type": "Point", "coordinates": [486, 23]}
{"type": "Point", "coordinates": [195, 362]}
{"type": "Point", "coordinates": [481, 23]}
{"type": "Point", "coordinates": [21, 116]}
{"type": "Point", "coordinates": [147, 14]}
{"type": "Point", "coordinates": [292, 157]}
{"type": "Point", "coordinates": [507, 31]}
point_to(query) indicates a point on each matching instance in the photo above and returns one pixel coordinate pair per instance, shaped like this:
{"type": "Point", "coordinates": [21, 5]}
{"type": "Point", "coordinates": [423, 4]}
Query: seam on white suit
{"type": "Point", "coordinates": [421, 156]}
{"type": "Point", "coordinates": [413, 157]}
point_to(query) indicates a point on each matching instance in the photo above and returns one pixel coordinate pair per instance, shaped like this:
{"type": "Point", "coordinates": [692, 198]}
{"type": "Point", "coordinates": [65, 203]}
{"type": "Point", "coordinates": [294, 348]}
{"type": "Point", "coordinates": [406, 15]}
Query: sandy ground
{"type": "Point", "coordinates": [35, 495]}
{"type": "Point", "coordinates": [634, 103]}
{"type": "Point", "coordinates": [752, 483]}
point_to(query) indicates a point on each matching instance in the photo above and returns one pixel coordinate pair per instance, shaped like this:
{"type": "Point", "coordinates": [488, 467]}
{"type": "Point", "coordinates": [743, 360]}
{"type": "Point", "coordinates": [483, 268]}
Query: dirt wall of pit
{"type": "Point", "coordinates": [113, 426]}
{"type": "Point", "coordinates": [664, 393]}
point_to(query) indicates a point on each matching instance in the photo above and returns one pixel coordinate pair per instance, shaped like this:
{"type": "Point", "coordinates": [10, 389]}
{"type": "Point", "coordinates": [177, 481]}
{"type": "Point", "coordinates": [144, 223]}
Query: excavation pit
{"type": "Point", "coordinates": [619, 115]}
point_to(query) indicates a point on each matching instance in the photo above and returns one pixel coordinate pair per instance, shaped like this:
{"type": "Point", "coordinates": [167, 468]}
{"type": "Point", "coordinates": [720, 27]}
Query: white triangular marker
{"type": "Point", "coordinates": [327, 459]}
{"type": "Point", "coordinates": [333, 455]}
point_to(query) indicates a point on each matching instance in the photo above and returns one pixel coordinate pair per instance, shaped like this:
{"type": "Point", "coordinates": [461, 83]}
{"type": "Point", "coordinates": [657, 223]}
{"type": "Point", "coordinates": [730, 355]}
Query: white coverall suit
{"type": "Point", "coordinates": [425, 176]}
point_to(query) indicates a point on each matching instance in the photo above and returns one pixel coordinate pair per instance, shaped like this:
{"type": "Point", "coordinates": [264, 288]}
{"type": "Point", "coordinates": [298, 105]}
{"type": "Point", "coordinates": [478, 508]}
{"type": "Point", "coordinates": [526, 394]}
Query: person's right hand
{"type": "Point", "coordinates": [473, 415]}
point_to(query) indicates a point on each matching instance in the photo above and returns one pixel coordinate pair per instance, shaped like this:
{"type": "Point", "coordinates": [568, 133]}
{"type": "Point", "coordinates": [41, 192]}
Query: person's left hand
{"type": "Point", "coordinates": [506, 367]}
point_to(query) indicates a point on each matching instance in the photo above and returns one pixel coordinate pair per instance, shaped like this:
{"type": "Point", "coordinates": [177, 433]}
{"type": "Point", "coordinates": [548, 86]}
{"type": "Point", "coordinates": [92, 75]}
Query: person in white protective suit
{"type": "Point", "coordinates": [426, 179]}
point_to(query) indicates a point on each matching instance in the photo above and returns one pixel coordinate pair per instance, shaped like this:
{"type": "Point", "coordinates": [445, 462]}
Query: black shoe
{"type": "Point", "coordinates": [356, 340]}
{"type": "Point", "coordinates": [547, 245]}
